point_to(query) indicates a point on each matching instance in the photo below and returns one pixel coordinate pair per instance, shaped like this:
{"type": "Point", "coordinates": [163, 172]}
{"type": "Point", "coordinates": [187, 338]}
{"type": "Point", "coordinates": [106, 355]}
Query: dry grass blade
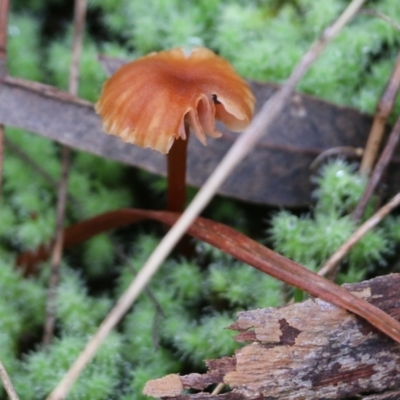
{"type": "Point", "coordinates": [383, 110]}
{"type": "Point", "coordinates": [79, 23]}
{"type": "Point", "coordinates": [330, 265]}
{"type": "Point", "coordinates": [8, 386]}
{"type": "Point", "coordinates": [239, 150]}
{"type": "Point", "coordinates": [247, 250]}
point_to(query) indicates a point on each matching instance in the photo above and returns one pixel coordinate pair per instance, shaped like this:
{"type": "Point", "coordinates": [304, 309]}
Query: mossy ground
{"type": "Point", "coordinates": [180, 321]}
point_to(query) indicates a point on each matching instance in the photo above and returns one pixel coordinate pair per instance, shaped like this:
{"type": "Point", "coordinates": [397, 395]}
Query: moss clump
{"type": "Point", "coordinates": [180, 321]}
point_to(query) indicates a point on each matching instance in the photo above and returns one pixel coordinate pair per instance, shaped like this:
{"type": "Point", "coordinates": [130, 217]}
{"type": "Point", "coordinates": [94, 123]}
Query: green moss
{"type": "Point", "coordinates": [348, 188]}
{"type": "Point", "coordinates": [41, 370]}
{"type": "Point", "coordinates": [91, 75]}
{"type": "Point", "coordinates": [78, 313]}
{"type": "Point", "coordinates": [242, 286]}
{"type": "Point", "coordinates": [182, 319]}
{"type": "Point", "coordinates": [98, 254]}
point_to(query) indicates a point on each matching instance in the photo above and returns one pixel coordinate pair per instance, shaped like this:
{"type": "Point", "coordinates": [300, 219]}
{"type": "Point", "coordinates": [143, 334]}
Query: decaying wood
{"type": "Point", "coordinates": [309, 350]}
{"type": "Point", "coordinates": [279, 165]}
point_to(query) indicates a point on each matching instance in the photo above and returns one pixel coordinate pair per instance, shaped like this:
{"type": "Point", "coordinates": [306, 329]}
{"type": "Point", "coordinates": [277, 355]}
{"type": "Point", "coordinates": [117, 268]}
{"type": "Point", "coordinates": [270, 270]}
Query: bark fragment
{"type": "Point", "coordinates": [309, 350]}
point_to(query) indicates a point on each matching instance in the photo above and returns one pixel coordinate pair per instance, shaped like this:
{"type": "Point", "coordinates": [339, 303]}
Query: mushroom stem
{"type": "Point", "coordinates": [176, 171]}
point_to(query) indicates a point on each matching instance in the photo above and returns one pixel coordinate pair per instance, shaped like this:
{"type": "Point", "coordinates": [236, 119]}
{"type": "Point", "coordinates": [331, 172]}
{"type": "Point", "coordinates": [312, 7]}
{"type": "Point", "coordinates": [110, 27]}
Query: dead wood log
{"type": "Point", "coordinates": [309, 350]}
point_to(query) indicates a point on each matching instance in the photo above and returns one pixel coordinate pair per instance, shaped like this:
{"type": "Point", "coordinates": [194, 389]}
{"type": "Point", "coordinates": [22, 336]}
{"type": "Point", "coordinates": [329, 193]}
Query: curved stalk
{"type": "Point", "coordinates": [176, 174]}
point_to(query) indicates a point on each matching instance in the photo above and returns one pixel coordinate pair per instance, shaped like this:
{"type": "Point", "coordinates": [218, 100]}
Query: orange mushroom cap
{"type": "Point", "coordinates": [147, 101]}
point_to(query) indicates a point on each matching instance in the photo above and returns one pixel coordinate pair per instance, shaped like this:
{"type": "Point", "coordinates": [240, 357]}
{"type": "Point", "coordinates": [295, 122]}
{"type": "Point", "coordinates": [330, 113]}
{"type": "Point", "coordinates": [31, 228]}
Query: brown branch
{"type": "Point", "coordinates": [378, 171]}
{"type": "Point", "coordinates": [238, 151]}
{"type": "Point", "coordinates": [79, 23]}
{"type": "Point", "coordinates": [383, 110]}
{"type": "Point", "coordinates": [335, 258]}
{"type": "Point", "coordinates": [57, 114]}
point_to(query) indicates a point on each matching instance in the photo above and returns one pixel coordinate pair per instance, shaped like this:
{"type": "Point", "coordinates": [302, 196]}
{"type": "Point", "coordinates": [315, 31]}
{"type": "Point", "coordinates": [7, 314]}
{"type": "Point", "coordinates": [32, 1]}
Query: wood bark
{"type": "Point", "coordinates": [277, 172]}
{"type": "Point", "coordinates": [309, 350]}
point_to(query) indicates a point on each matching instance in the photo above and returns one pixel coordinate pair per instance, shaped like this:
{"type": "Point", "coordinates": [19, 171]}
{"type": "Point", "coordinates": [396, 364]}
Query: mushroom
{"type": "Point", "coordinates": [156, 99]}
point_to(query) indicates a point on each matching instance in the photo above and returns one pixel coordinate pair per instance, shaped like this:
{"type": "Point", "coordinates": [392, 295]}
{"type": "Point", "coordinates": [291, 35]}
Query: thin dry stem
{"type": "Point", "coordinates": [335, 258]}
{"type": "Point", "coordinates": [8, 386]}
{"type": "Point", "coordinates": [237, 152]}
{"type": "Point", "coordinates": [383, 110]}
{"type": "Point", "coordinates": [56, 256]}
{"type": "Point", "coordinates": [378, 171]}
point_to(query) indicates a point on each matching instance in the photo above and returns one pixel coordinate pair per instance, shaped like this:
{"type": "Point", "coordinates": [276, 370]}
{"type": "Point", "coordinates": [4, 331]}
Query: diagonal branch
{"type": "Point", "coordinates": [383, 110]}
{"type": "Point", "coordinates": [378, 171]}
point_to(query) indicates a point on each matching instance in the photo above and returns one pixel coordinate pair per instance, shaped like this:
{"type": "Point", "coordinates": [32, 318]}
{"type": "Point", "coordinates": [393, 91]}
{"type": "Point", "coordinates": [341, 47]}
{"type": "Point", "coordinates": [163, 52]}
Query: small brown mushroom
{"type": "Point", "coordinates": [156, 99]}
{"type": "Point", "coordinates": [147, 101]}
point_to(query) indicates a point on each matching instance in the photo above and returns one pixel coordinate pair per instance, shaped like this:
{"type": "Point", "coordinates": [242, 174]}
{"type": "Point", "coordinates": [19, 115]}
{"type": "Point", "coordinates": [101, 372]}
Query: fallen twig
{"type": "Point", "coordinates": [378, 171]}
{"type": "Point", "coordinates": [383, 110]}
{"type": "Point", "coordinates": [238, 151]}
{"type": "Point", "coordinates": [335, 258]}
